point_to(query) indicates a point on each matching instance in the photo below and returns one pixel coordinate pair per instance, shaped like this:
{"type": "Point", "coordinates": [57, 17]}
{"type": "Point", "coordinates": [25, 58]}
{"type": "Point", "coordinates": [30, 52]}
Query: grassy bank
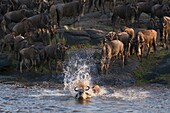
{"type": "Point", "coordinates": [150, 69]}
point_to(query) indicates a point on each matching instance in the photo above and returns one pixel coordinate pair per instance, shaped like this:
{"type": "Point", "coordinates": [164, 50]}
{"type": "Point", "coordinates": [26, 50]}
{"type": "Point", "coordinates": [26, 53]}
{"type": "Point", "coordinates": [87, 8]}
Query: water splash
{"type": "Point", "coordinates": [77, 70]}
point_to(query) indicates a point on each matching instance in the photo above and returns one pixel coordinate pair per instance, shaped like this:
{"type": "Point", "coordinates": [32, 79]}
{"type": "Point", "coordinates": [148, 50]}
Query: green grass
{"type": "Point", "coordinates": [147, 64]}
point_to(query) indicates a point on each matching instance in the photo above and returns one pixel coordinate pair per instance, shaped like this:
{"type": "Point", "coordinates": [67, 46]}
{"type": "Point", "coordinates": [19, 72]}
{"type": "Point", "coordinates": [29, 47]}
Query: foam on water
{"type": "Point", "coordinates": [130, 94]}
{"type": "Point", "coordinates": [47, 92]}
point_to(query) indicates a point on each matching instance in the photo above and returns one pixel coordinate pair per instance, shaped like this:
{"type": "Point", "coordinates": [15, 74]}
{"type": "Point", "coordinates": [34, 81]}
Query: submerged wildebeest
{"type": "Point", "coordinates": [166, 29]}
{"type": "Point", "coordinates": [85, 91]}
{"type": "Point", "coordinates": [110, 50]}
{"type": "Point", "coordinates": [144, 38]}
{"type": "Point", "coordinates": [82, 93]}
{"type": "Point", "coordinates": [30, 54]}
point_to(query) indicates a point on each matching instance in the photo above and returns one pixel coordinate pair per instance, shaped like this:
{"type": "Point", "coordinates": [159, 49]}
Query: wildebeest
{"type": "Point", "coordinates": [8, 41]}
{"type": "Point", "coordinates": [166, 29]}
{"type": "Point", "coordinates": [56, 52]}
{"type": "Point", "coordinates": [30, 54]}
{"type": "Point", "coordinates": [123, 37]}
{"type": "Point", "coordinates": [128, 12]}
{"type": "Point", "coordinates": [71, 9]}
{"type": "Point", "coordinates": [131, 33]}
{"type": "Point", "coordinates": [160, 10]}
{"type": "Point", "coordinates": [96, 89]}
{"type": "Point", "coordinates": [146, 7]}
{"type": "Point", "coordinates": [40, 20]}
{"type": "Point", "coordinates": [99, 4]}
{"type": "Point", "coordinates": [110, 50]}
{"type": "Point", "coordinates": [82, 93]}
{"type": "Point", "coordinates": [23, 27]}
{"type": "Point", "coordinates": [17, 3]}
{"type": "Point", "coordinates": [146, 38]}
{"type": "Point", "coordinates": [19, 43]}
{"type": "Point", "coordinates": [15, 16]}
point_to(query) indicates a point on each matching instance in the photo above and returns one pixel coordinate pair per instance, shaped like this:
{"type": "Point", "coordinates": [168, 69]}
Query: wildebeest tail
{"type": "Point", "coordinates": [100, 3]}
{"type": "Point", "coordinates": [19, 57]}
{"type": "Point", "coordinates": [58, 18]}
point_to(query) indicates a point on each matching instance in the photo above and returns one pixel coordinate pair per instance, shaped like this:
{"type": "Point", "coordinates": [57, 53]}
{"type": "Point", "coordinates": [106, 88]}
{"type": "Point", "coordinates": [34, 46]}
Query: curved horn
{"type": "Point", "coordinates": [75, 89]}
{"type": "Point", "coordinates": [88, 87]}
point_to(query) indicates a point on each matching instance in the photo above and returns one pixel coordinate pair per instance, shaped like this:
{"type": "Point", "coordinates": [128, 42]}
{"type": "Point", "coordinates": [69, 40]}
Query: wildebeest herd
{"type": "Point", "coordinates": [27, 26]}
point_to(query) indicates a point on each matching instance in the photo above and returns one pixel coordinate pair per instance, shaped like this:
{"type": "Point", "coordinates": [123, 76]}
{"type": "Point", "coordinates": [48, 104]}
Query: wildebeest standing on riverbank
{"type": "Point", "coordinates": [146, 38]}
{"type": "Point", "coordinates": [110, 51]}
{"type": "Point", "coordinates": [128, 12]}
{"type": "Point", "coordinates": [56, 52]}
{"type": "Point", "coordinates": [30, 54]}
{"type": "Point", "coordinates": [166, 29]}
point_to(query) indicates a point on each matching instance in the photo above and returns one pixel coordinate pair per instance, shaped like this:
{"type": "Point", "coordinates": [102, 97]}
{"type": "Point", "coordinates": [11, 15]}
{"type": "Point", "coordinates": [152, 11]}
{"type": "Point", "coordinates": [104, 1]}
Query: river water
{"type": "Point", "coordinates": [19, 97]}
{"type": "Point", "coordinates": [35, 99]}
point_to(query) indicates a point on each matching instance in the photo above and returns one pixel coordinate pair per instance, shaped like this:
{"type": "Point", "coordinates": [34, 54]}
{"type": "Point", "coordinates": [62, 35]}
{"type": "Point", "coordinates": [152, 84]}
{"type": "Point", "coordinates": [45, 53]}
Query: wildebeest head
{"type": "Point", "coordinates": [110, 36]}
{"type": "Point", "coordinates": [45, 20]}
{"type": "Point", "coordinates": [61, 50]}
{"type": "Point", "coordinates": [166, 10]}
{"type": "Point", "coordinates": [132, 11]}
{"type": "Point", "coordinates": [82, 93]}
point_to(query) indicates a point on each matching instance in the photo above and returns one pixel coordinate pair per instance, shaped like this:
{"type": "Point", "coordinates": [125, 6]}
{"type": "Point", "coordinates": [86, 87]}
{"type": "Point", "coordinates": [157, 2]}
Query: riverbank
{"type": "Point", "coordinates": [94, 26]}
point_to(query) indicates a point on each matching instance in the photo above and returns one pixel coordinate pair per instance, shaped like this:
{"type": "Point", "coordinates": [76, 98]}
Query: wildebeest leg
{"type": "Point", "coordinates": [123, 60]}
{"type": "Point", "coordinates": [149, 48]}
{"type": "Point", "coordinates": [113, 19]}
{"type": "Point", "coordinates": [166, 40]}
{"type": "Point", "coordinates": [21, 66]}
{"type": "Point", "coordinates": [128, 49]}
{"type": "Point", "coordinates": [103, 8]}
{"type": "Point", "coordinates": [33, 65]}
{"type": "Point", "coordinates": [3, 45]}
{"type": "Point", "coordinates": [49, 65]}
{"type": "Point", "coordinates": [131, 49]}
{"type": "Point", "coordinates": [154, 44]}
{"type": "Point", "coordinates": [95, 5]}
{"type": "Point", "coordinates": [74, 21]}
{"type": "Point", "coordinates": [90, 5]}
{"type": "Point", "coordinates": [142, 51]}
{"type": "Point", "coordinates": [56, 65]}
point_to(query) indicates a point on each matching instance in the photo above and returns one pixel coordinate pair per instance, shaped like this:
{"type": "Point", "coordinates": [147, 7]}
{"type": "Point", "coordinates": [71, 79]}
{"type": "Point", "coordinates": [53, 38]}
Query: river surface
{"type": "Point", "coordinates": [15, 97]}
